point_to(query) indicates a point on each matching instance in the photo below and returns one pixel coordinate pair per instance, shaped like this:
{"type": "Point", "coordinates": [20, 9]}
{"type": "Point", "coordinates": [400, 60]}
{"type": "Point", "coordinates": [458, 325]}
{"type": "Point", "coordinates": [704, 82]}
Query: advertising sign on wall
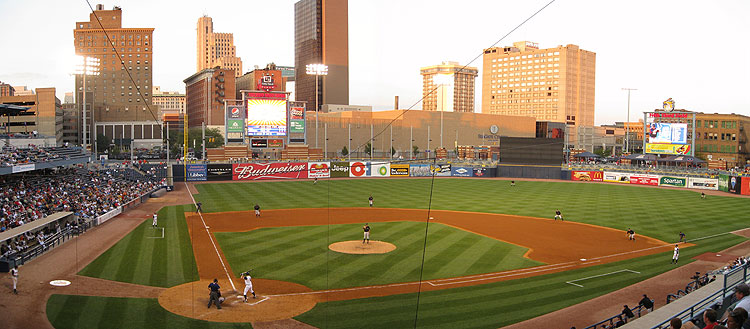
{"type": "Point", "coordinates": [673, 181]}
{"type": "Point", "coordinates": [235, 124]}
{"type": "Point", "coordinates": [676, 149]}
{"type": "Point", "coordinates": [318, 170]}
{"type": "Point", "coordinates": [259, 143]}
{"type": "Point", "coordinates": [461, 171]}
{"type": "Point", "coordinates": [724, 183]}
{"type": "Point", "coordinates": [380, 169]}
{"type": "Point", "coordinates": [644, 179]}
{"type": "Point", "coordinates": [266, 117]}
{"type": "Point", "coordinates": [745, 185]}
{"type": "Point", "coordinates": [667, 133]}
{"type": "Point", "coordinates": [219, 172]}
{"type": "Point", "coordinates": [261, 171]}
{"type": "Point", "coordinates": [587, 176]}
{"type": "Point", "coordinates": [359, 169]}
{"type": "Point", "coordinates": [275, 143]}
{"type": "Point", "coordinates": [399, 170]}
{"type": "Point", "coordinates": [703, 183]}
{"type": "Point", "coordinates": [479, 172]}
{"type": "Point", "coordinates": [734, 184]}
{"type": "Point", "coordinates": [22, 168]}
{"type": "Point", "coordinates": [297, 126]}
{"type": "Point", "coordinates": [339, 169]}
{"type": "Point", "coordinates": [617, 177]}
{"type": "Point", "coordinates": [441, 170]}
{"type": "Point", "coordinates": [196, 172]}
{"type": "Point", "coordinates": [419, 170]}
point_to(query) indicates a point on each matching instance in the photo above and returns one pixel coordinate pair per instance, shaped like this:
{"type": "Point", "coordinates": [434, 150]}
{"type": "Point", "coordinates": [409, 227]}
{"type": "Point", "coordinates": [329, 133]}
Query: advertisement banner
{"type": "Point", "coordinates": [196, 172]}
{"type": "Point", "coordinates": [219, 172]}
{"type": "Point", "coordinates": [235, 125]}
{"type": "Point", "coordinates": [359, 169]}
{"type": "Point", "coordinates": [734, 184]}
{"type": "Point", "coordinates": [275, 143]}
{"type": "Point", "coordinates": [339, 169]}
{"type": "Point", "coordinates": [318, 170]}
{"type": "Point", "coordinates": [676, 149]}
{"type": "Point", "coordinates": [441, 170]}
{"type": "Point", "coordinates": [461, 171]}
{"type": "Point", "coordinates": [724, 183]}
{"type": "Point", "coordinates": [703, 183]}
{"type": "Point", "coordinates": [616, 177]}
{"type": "Point", "coordinates": [400, 170]}
{"type": "Point", "coordinates": [587, 176]}
{"type": "Point", "coordinates": [479, 172]}
{"type": "Point", "coordinates": [744, 185]}
{"type": "Point", "coordinates": [22, 168]}
{"type": "Point", "coordinates": [297, 126]}
{"type": "Point", "coordinates": [380, 169]}
{"type": "Point", "coordinates": [261, 171]}
{"type": "Point", "coordinates": [259, 143]}
{"type": "Point", "coordinates": [673, 181]}
{"type": "Point", "coordinates": [419, 170]}
{"type": "Point", "coordinates": [644, 179]}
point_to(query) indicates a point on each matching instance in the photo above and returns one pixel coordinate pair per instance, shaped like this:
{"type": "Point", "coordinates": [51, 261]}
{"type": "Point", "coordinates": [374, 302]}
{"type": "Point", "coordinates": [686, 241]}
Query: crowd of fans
{"type": "Point", "coordinates": [86, 193]}
{"type": "Point", "coordinates": [11, 156]}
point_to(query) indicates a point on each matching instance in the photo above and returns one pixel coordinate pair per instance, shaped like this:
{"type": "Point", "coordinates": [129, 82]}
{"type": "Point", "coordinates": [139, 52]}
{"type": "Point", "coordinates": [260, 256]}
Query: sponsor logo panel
{"type": "Point", "coordinates": [219, 172]}
{"type": "Point", "coordinates": [339, 169]}
{"type": "Point", "coordinates": [479, 172]}
{"type": "Point", "coordinates": [318, 170]}
{"type": "Point", "coordinates": [673, 181]}
{"type": "Point", "coordinates": [645, 179]}
{"type": "Point", "coordinates": [399, 170]}
{"type": "Point", "coordinates": [461, 171]}
{"type": "Point", "coordinates": [22, 168]}
{"type": "Point", "coordinates": [262, 171]}
{"type": "Point", "coordinates": [616, 177]}
{"type": "Point", "coordinates": [587, 176]}
{"type": "Point", "coordinates": [676, 149]}
{"type": "Point", "coordinates": [735, 184]}
{"type": "Point", "coordinates": [196, 172]}
{"type": "Point", "coordinates": [441, 169]}
{"type": "Point", "coordinates": [419, 170]}
{"type": "Point", "coordinates": [703, 183]}
{"type": "Point", "coordinates": [359, 169]}
{"type": "Point", "coordinates": [380, 169]}
{"type": "Point", "coordinates": [724, 183]}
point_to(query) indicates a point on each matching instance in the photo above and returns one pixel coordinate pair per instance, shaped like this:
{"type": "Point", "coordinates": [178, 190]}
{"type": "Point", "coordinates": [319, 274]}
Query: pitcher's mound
{"type": "Point", "coordinates": [359, 248]}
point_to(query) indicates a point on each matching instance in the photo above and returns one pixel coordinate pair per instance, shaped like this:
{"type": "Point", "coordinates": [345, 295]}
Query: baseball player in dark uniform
{"type": "Point", "coordinates": [366, 228]}
{"type": "Point", "coordinates": [198, 207]}
{"type": "Point", "coordinates": [631, 234]}
{"type": "Point", "coordinates": [257, 210]}
{"type": "Point", "coordinates": [682, 237]}
{"type": "Point", "coordinates": [214, 294]}
{"type": "Point", "coordinates": [370, 199]}
{"type": "Point", "coordinates": [558, 214]}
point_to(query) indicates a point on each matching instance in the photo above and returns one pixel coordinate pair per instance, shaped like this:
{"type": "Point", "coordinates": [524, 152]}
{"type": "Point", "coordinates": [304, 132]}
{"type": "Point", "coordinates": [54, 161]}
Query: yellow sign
{"type": "Point", "coordinates": [681, 149]}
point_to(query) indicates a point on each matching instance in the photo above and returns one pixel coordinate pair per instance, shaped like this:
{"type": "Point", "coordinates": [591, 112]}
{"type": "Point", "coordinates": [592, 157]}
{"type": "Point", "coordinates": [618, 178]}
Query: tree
{"type": "Point", "coordinates": [213, 140]}
{"type": "Point", "coordinates": [415, 150]}
{"type": "Point", "coordinates": [102, 143]}
{"type": "Point", "coordinates": [393, 151]}
{"type": "Point", "coordinates": [368, 148]}
{"type": "Point", "coordinates": [344, 151]}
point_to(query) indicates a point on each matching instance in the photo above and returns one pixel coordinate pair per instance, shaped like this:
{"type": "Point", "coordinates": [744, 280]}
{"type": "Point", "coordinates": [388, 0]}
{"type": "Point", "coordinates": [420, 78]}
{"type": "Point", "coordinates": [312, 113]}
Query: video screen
{"type": "Point", "coordinates": [266, 117]}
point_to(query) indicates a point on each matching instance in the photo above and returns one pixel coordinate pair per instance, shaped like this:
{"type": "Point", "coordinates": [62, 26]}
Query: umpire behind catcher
{"type": "Point", "coordinates": [215, 294]}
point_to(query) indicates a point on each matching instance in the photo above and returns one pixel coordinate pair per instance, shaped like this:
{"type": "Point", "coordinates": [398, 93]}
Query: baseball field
{"type": "Point", "coordinates": [466, 253]}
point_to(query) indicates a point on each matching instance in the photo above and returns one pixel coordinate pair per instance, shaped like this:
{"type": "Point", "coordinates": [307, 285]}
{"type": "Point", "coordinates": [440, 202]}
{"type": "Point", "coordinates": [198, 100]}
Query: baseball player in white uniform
{"type": "Point", "coordinates": [153, 223]}
{"type": "Point", "coordinates": [14, 276]}
{"type": "Point", "coordinates": [248, 284]}
{"type": "Point", "coordinates": [676, 254]}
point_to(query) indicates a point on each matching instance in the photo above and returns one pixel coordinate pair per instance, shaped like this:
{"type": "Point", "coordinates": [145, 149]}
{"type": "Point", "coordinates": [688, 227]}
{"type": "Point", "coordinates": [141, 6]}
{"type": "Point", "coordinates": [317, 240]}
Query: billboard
{"type": "Point", "coordinates": [479, 172]}
{"type": "Point", "coordinates": [745, 185]}
{"type": "Point", "coordinates": [644, 179]}
{"type": "Point", "coordinates": [673, 181]}
{"type": "Point", "coordinates": [235, 124]}
{"type": "Point", "coordinates": [399, 170]}
{"type": "Point", "coordinates": [587, 176]}
{"type": "Point", "coordinates": [297, 118]}
{"type": "Point", "coordinates": [318, 170]}
{"type": "Point", "coordinates": [724, 183]}
{"type": "Point", "coordinates": [461, 171]}
{"type": "Point", "coordinates": [219, 172]}
{"type": "Point", "coordinates": [616, 177]}
{"type": "Point", "coordinates": [380, 169]}
{"type": "Point", "coordinates": [266, 117]}
{"type": "Point", "coordinates": [275, 143]}
{"type": "Point", "coordinates": [419, 170]}
{"type": "Point", "coordinates": [667, 133]}
{"type": "Point", "coordinates": [259, 143]}
{"type": "Point", "coordinates": [734, 184]}
{"type": "Point", "coordinates": [359, 169]}
{"type": "Point", "coordinates": [441, 170]}
{"type": "Point", "coordinates": [676, 149]}
{"type": "Point", "coordinates": [261, 171]}
{"type": "Point", "coordinates": [339, 169]}
{"type": "Point", "coordinates": [703, 183]}
{"type": "Point", "coordinates": [196, 172]}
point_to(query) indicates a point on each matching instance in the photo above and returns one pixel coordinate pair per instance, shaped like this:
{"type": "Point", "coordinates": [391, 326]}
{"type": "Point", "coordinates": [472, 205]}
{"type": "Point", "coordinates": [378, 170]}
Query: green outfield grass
{"type": "Point", "coordinates": [142, 258]}
{"type": "Point", "coordinates": [301, 254]}
{"type": "Point", "coordinates": [67, 311]}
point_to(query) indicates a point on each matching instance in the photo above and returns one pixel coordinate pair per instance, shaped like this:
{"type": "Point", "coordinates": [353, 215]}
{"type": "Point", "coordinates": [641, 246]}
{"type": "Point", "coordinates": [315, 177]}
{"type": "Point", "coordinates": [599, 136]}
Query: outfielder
{"type": "Point", "coordinates": [248, 285]}
{"type": "Point", "coordinates": [14, 276]}
{"type": "Point", "coordinates": [257, 210]}
{"type": "Point", "coordinates": [366, 228]}
{"type": "Point", "coordinates": [676, 254]}
{"type": "Point", "coordinates": [558, 215]}
{"type": "Point", "coordinates": [370, 199]}
{"type": "Point", "coordinates": [153, 223]}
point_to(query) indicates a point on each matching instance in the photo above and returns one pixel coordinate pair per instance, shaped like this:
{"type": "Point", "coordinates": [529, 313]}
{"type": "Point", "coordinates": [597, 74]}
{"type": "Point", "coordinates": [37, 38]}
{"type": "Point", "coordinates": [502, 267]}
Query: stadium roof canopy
{"type": "Point", "coordinates": [587, 155]}
{"type": "Point", "coordinates": [10, 109]}
{"type": "Point", "coordinates": [682, 158]}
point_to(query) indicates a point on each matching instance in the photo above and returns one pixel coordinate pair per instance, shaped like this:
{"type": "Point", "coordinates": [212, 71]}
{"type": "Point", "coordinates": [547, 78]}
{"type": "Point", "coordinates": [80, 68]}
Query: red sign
{"type": "Point", "coordinates": [745, 185]}
{"type": "Point", "coordinates": [265, 95]}
{"type": "Point", "coordinates": [275, 143]}
{"type": "Point", "coordinates": [587, 176]}
{"type": "Point", "coordinates": [644, 179]}
{"type": "Point", "coordinates": [296, 113]}
{"type": "Point", "coordinates": [358, 169]}
{"type": "Point", "coordinates": [258, 171]}
{"type": "Point", "coordinates": [668, 115]}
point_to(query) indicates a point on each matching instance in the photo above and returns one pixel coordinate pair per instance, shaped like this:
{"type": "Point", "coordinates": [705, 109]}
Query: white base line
{"type": "Point", "coordinates": [596, 276]}
{"type": "Point", "coordinates": [499, 276]}
{"type": "Point", "coordinates": [258, 302]}
{"type": "Point", "coordinates": [157, 237]}
{"type": "Point", "coordinates": [212, 239]}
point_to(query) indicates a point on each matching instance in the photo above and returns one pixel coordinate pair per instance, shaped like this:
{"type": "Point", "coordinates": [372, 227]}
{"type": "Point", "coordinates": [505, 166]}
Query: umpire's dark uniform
{"type": "Point", "coordinates": [214, 295]}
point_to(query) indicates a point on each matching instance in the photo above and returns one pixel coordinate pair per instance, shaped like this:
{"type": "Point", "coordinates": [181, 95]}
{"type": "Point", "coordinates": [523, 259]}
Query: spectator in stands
{"type": "Point", "coordinates": [675, 323]}
{"type": "Point", "coordinates": [709, 318]}
{"type": "Point", "coordinates": [742, 293]}
{"type": "Point", "coordinates": [627, 312]}
{"type": "Point", "coordinates": [736, 318]}
{"type": "Point", "coordinates": [620, 322]}
{"type": "Point", "coordinates": [647, 304]}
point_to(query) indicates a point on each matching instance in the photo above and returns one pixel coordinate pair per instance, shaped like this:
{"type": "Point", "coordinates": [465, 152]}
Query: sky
{"type": "Point", "coordinates": [695, 52]}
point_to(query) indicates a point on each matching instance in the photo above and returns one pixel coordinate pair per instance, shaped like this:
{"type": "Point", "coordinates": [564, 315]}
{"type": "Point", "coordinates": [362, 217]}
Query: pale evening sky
{"type": "Point", "coordinates": [693, 51]}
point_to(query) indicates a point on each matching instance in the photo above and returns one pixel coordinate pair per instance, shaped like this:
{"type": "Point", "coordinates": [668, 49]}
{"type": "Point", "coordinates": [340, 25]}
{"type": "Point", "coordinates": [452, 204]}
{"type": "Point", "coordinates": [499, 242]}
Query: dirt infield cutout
{"type": "Point", "coordinates": [359, 248]}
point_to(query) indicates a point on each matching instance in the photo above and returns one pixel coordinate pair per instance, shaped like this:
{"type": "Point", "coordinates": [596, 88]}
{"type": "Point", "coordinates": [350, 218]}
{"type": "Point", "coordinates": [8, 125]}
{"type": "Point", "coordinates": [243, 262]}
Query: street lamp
{"type": "Point", "coordinates": [86, 66]}
{"type": "Point", "coordinates": [627, 127]}
{"type": "Point", "coordinates": [317, 70]}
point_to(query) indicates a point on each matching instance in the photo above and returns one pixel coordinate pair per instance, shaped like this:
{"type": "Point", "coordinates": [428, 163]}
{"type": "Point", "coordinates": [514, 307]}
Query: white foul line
{"type": "Point", "coordinates": [531, 270]}
{"type": "Point", "coordinates": [200, 213]}
{"type": "Point", "coordinates": [596, 276]}
{"type": "Point", "coordinates": [260, 301]}
{"type": "Point", "coordinates": [157, 237]}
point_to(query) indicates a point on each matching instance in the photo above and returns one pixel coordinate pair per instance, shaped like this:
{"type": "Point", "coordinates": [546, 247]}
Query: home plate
{"type": "Point", "coordinates": [432, 217]}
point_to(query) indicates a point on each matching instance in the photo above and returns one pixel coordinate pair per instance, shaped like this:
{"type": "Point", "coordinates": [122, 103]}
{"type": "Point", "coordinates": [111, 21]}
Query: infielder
{"type": "Point", "coordinates": [558, 214]}
{"type": "Point", "coordinates": [682, 237]}
{"type": "Point", "coordinates": [153, 223]}
{"type": "Point", "coordinates": [257, 210]}
{"type": "Point", "coordinates": [631, 234]}
{"type": "Point", "coordinates": [366, 228]}
{"type": "Point", "coordinates": [676, 254]}
{"type": "Point", "coordinates": [14, 276]}
{"type": "Point", "coordinates": [248, 285]}
{"type": "Point", "coordinates": [370, 199]}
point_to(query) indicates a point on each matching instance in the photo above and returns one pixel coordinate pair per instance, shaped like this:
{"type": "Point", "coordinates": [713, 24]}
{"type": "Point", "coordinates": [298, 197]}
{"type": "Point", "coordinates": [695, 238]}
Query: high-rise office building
{"type": "Point", "coordinates": [216, 49]}
{"type": "Point", "coordinates": [118, 99]}
{"type": "Point", "coordinates": [555, 84]}
{"type": "Point", "coordinates": [205, 93]}
{"type": "Point", "coordinates": [6, 89]}
{"type": "Point", "coordinates": [321, 36]}
{"type": "Point", "coordinates": [448, 87]}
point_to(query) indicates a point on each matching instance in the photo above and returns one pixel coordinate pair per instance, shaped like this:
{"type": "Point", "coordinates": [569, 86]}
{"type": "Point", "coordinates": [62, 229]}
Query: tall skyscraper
{"type": "Point", "coordinates": [321, 36]}
{"type": "Point", "coordinates": [119, 107]}
{"type": "Point", "coordinates": [555, 84]}
{"type": "Point", "coordinates": [216, 49]}
{"type": "Point", "coordinates": [448, 87]}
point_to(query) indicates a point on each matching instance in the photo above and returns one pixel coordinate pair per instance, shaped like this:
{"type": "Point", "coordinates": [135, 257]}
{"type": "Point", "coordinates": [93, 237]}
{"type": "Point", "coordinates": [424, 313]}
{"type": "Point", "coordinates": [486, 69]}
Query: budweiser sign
{"type": "Point", "coordinates": [256, 171]}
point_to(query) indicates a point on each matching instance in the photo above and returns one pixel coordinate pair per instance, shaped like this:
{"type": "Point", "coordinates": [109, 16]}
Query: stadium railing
{"type": "Point", "coordinates": [611, 321]}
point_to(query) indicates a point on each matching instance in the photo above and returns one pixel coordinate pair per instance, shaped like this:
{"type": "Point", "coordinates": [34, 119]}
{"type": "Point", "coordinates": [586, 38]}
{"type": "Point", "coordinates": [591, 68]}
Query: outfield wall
{"type": "Point", "coordinates": [725, 183]}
